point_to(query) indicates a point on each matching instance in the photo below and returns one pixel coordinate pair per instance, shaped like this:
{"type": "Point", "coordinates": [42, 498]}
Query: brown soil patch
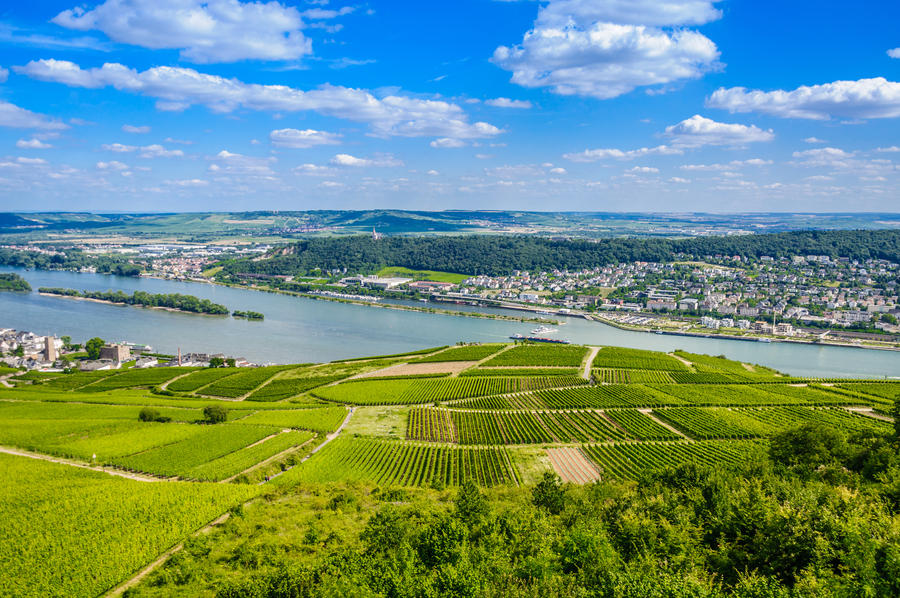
{"type": "Point", "coordinates": [414, 369]}
{"type": "Point", "coordinates": [572, 466]}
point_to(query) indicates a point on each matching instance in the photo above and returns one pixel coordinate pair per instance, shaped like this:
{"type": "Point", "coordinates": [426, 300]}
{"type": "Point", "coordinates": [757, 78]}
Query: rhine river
{"type": "Point", "coordinates": [298, 330]}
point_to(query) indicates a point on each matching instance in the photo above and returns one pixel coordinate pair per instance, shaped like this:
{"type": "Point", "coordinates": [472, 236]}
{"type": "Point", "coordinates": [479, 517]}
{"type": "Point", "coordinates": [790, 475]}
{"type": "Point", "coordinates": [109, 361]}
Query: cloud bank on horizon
{"type": "Point", "coordinates": [610, 105]}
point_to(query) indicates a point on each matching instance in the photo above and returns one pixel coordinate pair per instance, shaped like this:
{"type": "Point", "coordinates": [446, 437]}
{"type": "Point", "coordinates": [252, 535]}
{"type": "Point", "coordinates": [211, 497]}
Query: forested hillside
{"type": "Point", "coordinates": [497, 255]}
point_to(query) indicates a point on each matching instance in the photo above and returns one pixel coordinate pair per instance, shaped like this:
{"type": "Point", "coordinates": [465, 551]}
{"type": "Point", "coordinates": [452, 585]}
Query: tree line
{"type": "Point", "coordinates": [188, 303]}
{"type": "Point", "coordinates": [501, 255]}
{"type": "Point", "coordinates": [69, 259]}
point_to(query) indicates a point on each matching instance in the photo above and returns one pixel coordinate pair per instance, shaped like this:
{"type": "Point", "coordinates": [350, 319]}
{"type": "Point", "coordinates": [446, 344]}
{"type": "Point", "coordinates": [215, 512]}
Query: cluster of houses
{"type": "Point", "coordinates": [27, 350]}
{"type": "Point", "coordinates": [20, 349]}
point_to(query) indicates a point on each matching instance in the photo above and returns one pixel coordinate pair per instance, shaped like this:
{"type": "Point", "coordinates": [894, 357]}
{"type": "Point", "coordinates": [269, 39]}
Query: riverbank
{"type": "Point", "coordinates": [429, 310]}
{"type": "Point", "coordinates": [747, 338]}
{"type": "Point", "coordinates": [574, 313]}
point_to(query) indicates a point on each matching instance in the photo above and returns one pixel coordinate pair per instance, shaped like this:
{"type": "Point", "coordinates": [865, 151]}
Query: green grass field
{"type": "Point", "coordinates": [399, 272]}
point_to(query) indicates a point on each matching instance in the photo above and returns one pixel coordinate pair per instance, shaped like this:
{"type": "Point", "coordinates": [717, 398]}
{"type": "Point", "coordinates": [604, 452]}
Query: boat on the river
{"type": "Point", "coordinates": [543, 330]}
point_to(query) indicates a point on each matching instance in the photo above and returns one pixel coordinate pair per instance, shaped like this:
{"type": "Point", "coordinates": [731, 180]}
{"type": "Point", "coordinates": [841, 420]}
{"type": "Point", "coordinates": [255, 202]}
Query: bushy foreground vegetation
{"type": "Point", "coordinates": [812, 515]}
{"type": "Point", "coordinates": [70, 532]}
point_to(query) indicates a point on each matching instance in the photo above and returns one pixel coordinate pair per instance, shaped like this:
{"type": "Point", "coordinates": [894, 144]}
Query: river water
{"type": "Point", "coordinates": [298, 330]}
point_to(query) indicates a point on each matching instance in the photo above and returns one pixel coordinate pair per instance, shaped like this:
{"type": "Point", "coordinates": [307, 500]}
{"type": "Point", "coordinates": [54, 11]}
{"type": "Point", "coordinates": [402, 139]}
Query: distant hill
{"type": "Point", "coordinates": [209, 226]}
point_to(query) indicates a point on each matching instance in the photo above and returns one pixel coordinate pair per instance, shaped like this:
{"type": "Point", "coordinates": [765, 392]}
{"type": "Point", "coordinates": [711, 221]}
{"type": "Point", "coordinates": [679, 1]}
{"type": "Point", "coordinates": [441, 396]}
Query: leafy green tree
{"type": "Point", "coordinates": [216, 362]}
{"type": "Point", "coordinates": [471, 506]}
{"type": "Point", "coordinates": [549, 494]}
{"type": "Point", "coordinates": [148, 414]}
{"type": "Point", "coordinates": [214, 414]}
{"type": "Point", "coordinates": [809, 447]}
{"type": "Point", "coordinates": [93, 346]}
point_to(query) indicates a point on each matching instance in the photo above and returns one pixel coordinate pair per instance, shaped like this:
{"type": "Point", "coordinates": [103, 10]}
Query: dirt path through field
{"type": "Point", "coordinates": [165, 384]}
{"type": "Point", "coordinates": [264, 462]}
{"type": "Point", "coordinates": [3, 380]}
{"type": "Point", "coordinates": [121, 588]}
{"type": "Point", "coordinates": [649, 413]}
{"type": "Point", "coordinates": [682, 360]}
{"type": "Point", "coordinates": [869, 412]}
{"type": "Point", "coordinates": [586, 374]}
{"type": "Point", "coordinates": [108, 470]}
{"type": "Point", "coordinates": [328, 439]}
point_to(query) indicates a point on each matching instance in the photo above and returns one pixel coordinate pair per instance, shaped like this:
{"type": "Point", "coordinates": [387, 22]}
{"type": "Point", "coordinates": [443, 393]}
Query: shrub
{"type": "Point", "coordinates": [549, 494]}
{"type": "Point", "coordinates": [148, 414]}
{"type": "Point", "coordinates": [215, 414]}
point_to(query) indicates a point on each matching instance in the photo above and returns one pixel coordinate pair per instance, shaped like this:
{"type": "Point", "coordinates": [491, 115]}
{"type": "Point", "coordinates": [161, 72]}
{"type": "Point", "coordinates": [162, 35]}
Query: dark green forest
{"type": "Point", "coordinates": [499, 255]}
{"type": "Point", "coordinates": [70, 259]}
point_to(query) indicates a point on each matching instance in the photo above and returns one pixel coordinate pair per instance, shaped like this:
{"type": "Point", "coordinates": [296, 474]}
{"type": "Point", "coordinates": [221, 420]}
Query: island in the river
{"type": "Point", "coordinates": [13, 282]}
{"type": "Point", "coordinates": [249, 315]}
{"type": "Point", "coordinates": [170, 301]}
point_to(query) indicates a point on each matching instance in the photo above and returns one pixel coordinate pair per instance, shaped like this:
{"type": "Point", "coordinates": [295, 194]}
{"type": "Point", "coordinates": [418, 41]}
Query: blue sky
{"type": "Point", "coordinates": [607, 105]}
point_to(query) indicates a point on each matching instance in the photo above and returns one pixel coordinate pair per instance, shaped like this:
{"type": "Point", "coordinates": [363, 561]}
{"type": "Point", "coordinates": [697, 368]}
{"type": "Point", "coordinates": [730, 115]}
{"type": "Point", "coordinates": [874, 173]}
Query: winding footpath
{"type": "Point", "coordinates": [108, 470]}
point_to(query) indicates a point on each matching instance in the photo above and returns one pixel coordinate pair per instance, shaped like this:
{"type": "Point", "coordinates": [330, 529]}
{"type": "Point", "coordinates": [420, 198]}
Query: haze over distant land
{"type": "Point", "coordinates": [569, 105]}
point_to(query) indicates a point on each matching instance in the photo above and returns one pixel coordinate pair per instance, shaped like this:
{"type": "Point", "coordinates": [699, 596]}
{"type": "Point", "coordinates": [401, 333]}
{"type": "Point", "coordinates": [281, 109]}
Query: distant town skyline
{"type": "Point", "coordinates": [582, 105]}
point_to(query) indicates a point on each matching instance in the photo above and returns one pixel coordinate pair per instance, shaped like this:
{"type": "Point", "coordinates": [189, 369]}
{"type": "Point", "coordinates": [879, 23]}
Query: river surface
{"type": "Point", "coordinates": [297, 330]}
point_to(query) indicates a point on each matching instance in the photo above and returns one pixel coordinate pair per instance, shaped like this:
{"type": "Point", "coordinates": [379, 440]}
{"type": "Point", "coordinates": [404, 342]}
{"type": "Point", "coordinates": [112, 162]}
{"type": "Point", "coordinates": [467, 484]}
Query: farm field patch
{"type": "Point", "coordinates": [540, 355]}
{"type": "Point", "coordinates": [104, 527]}
{"type": "Point", "coordinates": [425, 390]}
{"type": "Point", "coordinates": [389, 462]}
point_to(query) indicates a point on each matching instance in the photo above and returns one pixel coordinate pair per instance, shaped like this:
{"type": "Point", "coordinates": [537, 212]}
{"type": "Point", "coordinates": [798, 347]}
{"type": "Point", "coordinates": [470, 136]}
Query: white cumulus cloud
{"type": "Point", "coordinates": [606, 49]}
{"type": "Point", "coordinates": [32, 144]}
{"type": "Point", "coordinates": [697, 131]}
{"type": "Point", "coordinates": [134, 129]}
{"type": "Point", "coordinates": [4, 74]}
{"type": "Point", "coordinates": [508, 103]}
{"type": "Point", "coordinates": [178, 88]}
{"type": "Point", "coordinates": [447, 142]}
{"type": "Point", "coordinates": [596, 155]}
{"type": "Point", "coordinates": [894, 52]}
{"type": "Point", "coordinates": [635, 12]}
{"type": "Point", "coordinates": [378, 160]}
{"type": "Point", "coordinates": [112, 165]}
{"type": "Point", "coordinates": [302, 139]}
{"type": "Point", "coordinates": [16, 117]}
{"type": "Point", "coordinates": [862, 99]}
{"type": "Point", "coordinates": [234, 164]}
{"type": "Point", "coordinates": [205, 31]}
{"type": "Point", "coordinates": [643, 170]}
{"type": "Point", "coordinates": [145, 151]}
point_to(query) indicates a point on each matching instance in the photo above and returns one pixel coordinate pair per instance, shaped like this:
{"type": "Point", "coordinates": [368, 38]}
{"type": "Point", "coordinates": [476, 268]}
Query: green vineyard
{"type": "Point", "coordinates": [635, 359]}
{"type": "Point", "coordinates": [630, 461]}
{"type": "Point", "coordinates": [199, 379]}
{"type": "Point", "coordinates": [243, 382]}
{"type": "Point", "coordinates": [540, 355]}
{"type": "Point", "coordinates": [411, 391]}
{"type": "Point", "coordinates": [511, 427]}
{"type": "Point", "coordinates": [466, 353]}
{"type": "Point", "coordinates": [386, 463]}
